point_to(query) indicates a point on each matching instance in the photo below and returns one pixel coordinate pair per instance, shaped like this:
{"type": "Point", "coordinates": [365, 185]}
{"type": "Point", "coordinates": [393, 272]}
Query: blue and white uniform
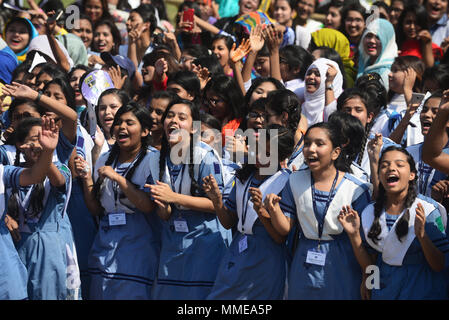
{"type": "Point", "coordinates": [297, 157]}
{"type": "Point", "coordinates": [324, 265]}
{"type": "Point", "coordinates": [124, 256]}
{"type": "Point", "coordinates": [427, 176]}
{"type": "Point", "coordinates": [404, 271]}
{"type": "Point", "coordinates": [13, 274]}
{"type": "Point", "coordinates": [254, 265]}
{"type": "Point", "coordinates": [193, 242]}
{"type": "Point", "coordinates": [47, 247]}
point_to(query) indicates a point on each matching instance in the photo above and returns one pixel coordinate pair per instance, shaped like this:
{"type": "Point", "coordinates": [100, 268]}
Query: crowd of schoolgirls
{"type": "Point", "coordinates": [135, 150]}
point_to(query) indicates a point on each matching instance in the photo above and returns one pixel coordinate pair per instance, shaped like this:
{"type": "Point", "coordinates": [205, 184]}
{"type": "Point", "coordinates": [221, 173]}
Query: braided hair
{"type": "Point", "coordinates": [37, 196]}
{"type": "Point", "coordinates": [412, 192]}
{"type": "Point", "coordinates": [143, 116]}
{"type": "Point", "coordinates": [165, 147]}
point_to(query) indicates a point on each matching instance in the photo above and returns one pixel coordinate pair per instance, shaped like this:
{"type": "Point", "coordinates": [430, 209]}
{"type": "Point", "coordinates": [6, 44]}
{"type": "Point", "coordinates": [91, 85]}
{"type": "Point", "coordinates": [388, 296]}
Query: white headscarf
{"type": "Point", "coordinates": [313, 107]}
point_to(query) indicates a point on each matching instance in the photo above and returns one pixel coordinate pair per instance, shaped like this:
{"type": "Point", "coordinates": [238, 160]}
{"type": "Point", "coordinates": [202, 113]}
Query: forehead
{"type": "Point", "coordinates": [354, 102]}
{"type": "Point", "coordinates": [266, 86]}
{"type": "Point", "coordinates": [394, 155]}
{"type": "Point", "coordinates": [433, 102]}
{"type": "Point", "coordinates": [159, 102]}
{"type": "Point", "coordinates": [54, 87]}
{"type": "Point", "coordinates": [17, 24]}
{"type": "Point", "coordinates": [180, 108]}
{"type": "Point", "coordinates": [317, 133]}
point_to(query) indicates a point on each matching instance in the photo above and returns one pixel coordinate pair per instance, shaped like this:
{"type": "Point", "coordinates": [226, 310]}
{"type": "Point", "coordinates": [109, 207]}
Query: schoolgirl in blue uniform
{"type": "Point", "coordinates": [124, 256]}
{"type": "Point", "coordinates": [193, 241]}
{"type": "Point", "coordinates": [427, 176]}
{"type": "Point", "coordinates": [254, 266]}
{"type": "Point", "coordinates": [323, 266]}
{"type": "Point", "coordinates": [404, 232]}
{"type": "Point", "coordinates": [43, 246]}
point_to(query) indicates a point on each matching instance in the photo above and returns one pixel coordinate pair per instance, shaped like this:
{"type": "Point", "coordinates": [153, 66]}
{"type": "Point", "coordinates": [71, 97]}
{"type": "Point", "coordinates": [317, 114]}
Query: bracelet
{"type": "Point", "coordinates": [38, 98]}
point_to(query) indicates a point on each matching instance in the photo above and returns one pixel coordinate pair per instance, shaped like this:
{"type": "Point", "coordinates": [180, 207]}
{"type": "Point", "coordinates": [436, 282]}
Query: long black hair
{"type": "Point", "coordinates": [402, 224]}
{"type": "Point", "coordinates": [66, 89]}
{"type": "Point", "coordinates": [285, 100]}
{"type": "Point", "coordinates": [143, 116]}
{"type": "Point", "coordinates": [37, 195]}
{"type": "Point", "coordinates": [165, 147]}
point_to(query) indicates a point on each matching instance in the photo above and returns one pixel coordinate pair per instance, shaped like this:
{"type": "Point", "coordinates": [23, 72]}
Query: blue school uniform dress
{"type": "Point", "coordinates": [83, 224]}
{"type": "Point", "coordinates": [254, 265]}
{"type": "Point", "coordinates": [193, 242]}
{"type": "Point", "coordinates": [427, 176]}
{"type": "Point", "coordinates": [297, 157]}
{"type": "Point", "coordinates": [13, 274]}
{"type": "Point", "coordinates": [404, 271]}
{"type": "Point", "coordinates": [124, 256]}
{"type": "Point", "coordinates": [324, 265]}
{"type": "Point", "coordinates": [47, 247]}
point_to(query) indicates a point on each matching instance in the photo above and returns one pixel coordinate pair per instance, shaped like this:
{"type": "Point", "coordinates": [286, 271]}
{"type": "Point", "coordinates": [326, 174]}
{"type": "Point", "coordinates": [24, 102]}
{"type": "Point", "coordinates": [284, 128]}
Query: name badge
{"type": "Point", "coordinates": [243, 244]}
{"type": "Point", "coordinates": [315, 257]}
{"type": "Point", "coordinates": [181, 225]}
{"type": "Point", "coordinates": [117, 219]}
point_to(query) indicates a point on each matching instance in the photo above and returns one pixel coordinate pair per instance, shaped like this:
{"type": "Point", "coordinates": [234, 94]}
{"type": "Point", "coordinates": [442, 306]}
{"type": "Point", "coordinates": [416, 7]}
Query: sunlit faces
{"type": "Point", "coordinates": [180, 91]}
{"type": "Point", "coordinates": [282, 12]}
{"type": "Point", "coordinates": [396, 79]}
{"type": "Point", "coordinates": [107, 108]}
{"type": "Point", "coordinates": [319, 153]}
{"type": "Point", "coordinates": [256, 119]}
{"type": "Point", "coordinates": [395, 173]}
{"type": "Point", "coordinates": [84, 31]}
{"type": "Point", "coordinates": [305, 9]}
{"type": "Point", "coordinates": [217, 105]}
{"type": "Point", "coordinates": [134, 21]}
{"type": "Point", "coordinates": [178, 118]}
{"type": "Point", "coordinates": [262, 66]}
{"type": "Point", "coordinates": [74, 83]}
{"type": "Point", "coordinates": [411, 29]}
{"type": "Point", "coordinates": [128, 131]}
{"type": "Point", "coordinates": [22, 111]}
{"type": "Point", "coordinates": [247, 6]}
{"type": "Point", "coordinates": [312, 80]}
{"type": "Point", "coordinates": [54, 91]}
{"type": "Point", "coordinates": [436, 9]}
{"type": "Point", "coordinates": [103, 40]}
{"type": "Point", "coordinates": [32, 154]}
{"type": "Point", "coordinates": [220, 49]}
{"type": "Point", "coordinates": [94, 9]}
{"type": "Point", "coordinates": [355, 107]}
{"type": "Point", "coordinates": [17, 36]}
{"type": "Point", "coordinates": [396, 9]}
{"type": "Point", "coordinates": [354, 24]}
{"type": "Point", "coordinates": [372, 46]}
{"type": "Point", "coordinates": [148, 74]}
{"type": "Point", "coordinates": [262, 91]}
{"type": "Point", "coordinates": [428, 114]}
{"type": "Point", "coordinates": [333, 18]}
{"type": "Point", "coordinates": [157, 109]}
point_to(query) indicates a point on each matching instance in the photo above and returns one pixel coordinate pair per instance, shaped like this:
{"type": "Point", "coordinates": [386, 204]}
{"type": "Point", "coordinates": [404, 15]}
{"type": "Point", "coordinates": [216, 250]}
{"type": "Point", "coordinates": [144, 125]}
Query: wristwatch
{"type": "Point", "coordinates": [330, 87]}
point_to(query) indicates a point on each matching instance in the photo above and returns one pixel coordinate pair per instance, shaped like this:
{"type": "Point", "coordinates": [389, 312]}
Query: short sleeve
{"type": "Point", "coordinates": [4, 156]}
{"type": "Point", "coordinates": [11, 176]}
{"type": "Point", "coordinates": [230, 201]}
{"type": "Point", "coordinates": [363, 200]}
{"type": "Point", "coordinates": [287, 203]}
{"type": "Point", "coordinates": [64, 148]}
{"type": "Point", "coordinates": [65, 171]}
{"type": "Point", "coordinates": [210, 166]}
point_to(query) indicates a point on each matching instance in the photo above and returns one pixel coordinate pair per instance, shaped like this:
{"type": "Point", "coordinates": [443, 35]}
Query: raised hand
{"type": "Point", "coordinates": [420, 221]}
{"type": "Point", "coordinates": [18, 90]}
{"type": "Point", "coordinates": [161, 67]}
{"type": "Point", "coordinates": [210, 186]}
{"type": "Point", "coordinates": [256, 39]}
{"type": "Point", "coordinates": [424, 36]}
{"type": "Point", "coordinates": [48, 137]}
{"type": "Point", "coordinates": [136, 33]}
{"type": "Point", "coordinates": [271, 203]}
{"type": "Point", "coordinates": [409, 79]}
{"type": "Point", "coordinates": [82, 167]}
{"type": "Point", "coordinates": [350, 220]}
{"type": "Point", "coordinates": [374, 147]}
{"type": "Point", "coordinates": [256, 199]}
{"type": "Point", "coordinates": [331, 74]}
{"type": "Point", "coordinates": [116, 76]}
{"type": "Point", "coordinates": [273, 37]}
{"type": "Point", "coordinates": [440, 190]}
{"type": "Point", "coordinates": [242, 50]}
{"type": "Point", "coordinates": [107, 172]}
{"type": "Point", "coordinates": [202, 73]}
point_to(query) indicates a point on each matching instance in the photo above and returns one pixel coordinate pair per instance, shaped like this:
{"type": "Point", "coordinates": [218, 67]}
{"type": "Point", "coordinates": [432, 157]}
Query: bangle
{"type": "Point", "coordinates": [38, 98]}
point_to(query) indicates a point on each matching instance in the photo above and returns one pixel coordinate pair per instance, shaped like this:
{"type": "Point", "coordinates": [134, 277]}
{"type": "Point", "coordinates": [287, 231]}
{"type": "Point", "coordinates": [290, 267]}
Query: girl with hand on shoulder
{"type": "Point", "coordinates": [257, 251]}
{"type": "Point", "coordinates": [404, 234]}
{"type": "Point", "coordinates": [323, 266]}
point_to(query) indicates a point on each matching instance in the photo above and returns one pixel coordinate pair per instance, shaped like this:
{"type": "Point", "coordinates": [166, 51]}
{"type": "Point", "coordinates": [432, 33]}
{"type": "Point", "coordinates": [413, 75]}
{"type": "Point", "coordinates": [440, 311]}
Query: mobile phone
{"type": "Point", "coordinates": [187, 16]}
{"type": "Point", "coordinates": [417, 98]}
